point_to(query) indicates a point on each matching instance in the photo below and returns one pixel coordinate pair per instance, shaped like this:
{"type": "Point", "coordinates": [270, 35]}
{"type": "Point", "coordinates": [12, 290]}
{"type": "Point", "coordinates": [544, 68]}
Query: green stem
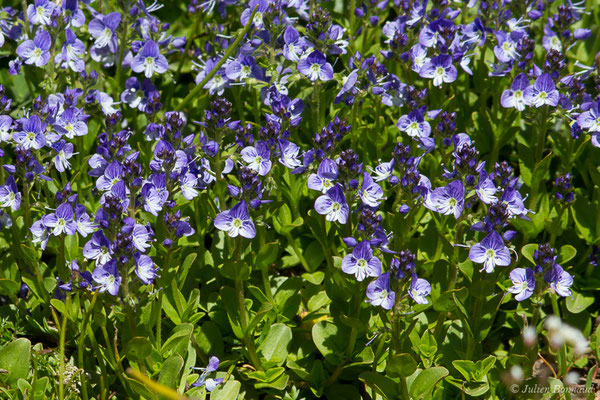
{"type": "Point", "coordinates": [122, 46]}
{"type": "Point", "coordinates": [216, 68]}
{"type": "Point", "coordinates": [298, 252]}
{"type": "Point", "coordinates": [81, 343]}
{"type": "Point", "coordinates": [61, 362]}
{"type": "Point", "coordinates": [355, 314]}
{"type": "Point", "coordinates": [100, 358]}
{"type": "Point", "coordinates": [316, 111]}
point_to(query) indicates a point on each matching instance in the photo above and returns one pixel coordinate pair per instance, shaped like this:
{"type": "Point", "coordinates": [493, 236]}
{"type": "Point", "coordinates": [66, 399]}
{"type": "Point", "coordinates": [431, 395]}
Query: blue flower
{"type": "Point", "coordinates": [439, 68]}
{"type": "Point", "coordinates": [361, 263]}
{"type": "Point", "coordinates": [145, 268]}
{"type": "Point", "coordinates": [523, 280]}
{"type": "Point", "coordinates": [414, 124]}
{"type": "Point", "coordinates": [258, 157]}
{"type": "Point", "coordinates": [333, 205]}
{"type": "Point", "coordinates": [36, 51]}
{"type": "Point", "coordinates": [315, 67]}
{"type": "Point", "coordinates": [515, 96]}
{"type": "Point", "coordinates": [103, 28]}
{"type": "Point", "coordinates": [447, 200]}
{"type": "Point", "coordinates": [40, 12]}
{"type": "Point", "coordinates": [108, 278]}
{"type": "Point", "coordinates": [490, 252]}
{"type": "Point", "coordinates": [65, 152]}
{"type": "Point", "coordinates": [542, 92]}
{"type": "Point", "coordinates": [149, 60]}
{"type": "Point", "coordinates": [370, 192]}
{"type": "Point", "coordinates": [560, 280]}
{"type": "Point", "coordinates": [9, 194]}
{"type": "Point", "coordinates": [61, 221]}
{"type": "Point", "coordinates": [203, 380]}
{"type": "Point", "coordinates": [324, 179]}
{"type": "Point", "coordinates": [379, 293]}
{"type": "Point", "coordinates": [236, 221]}
{"type": "Point", "coordinates": [419, 289]}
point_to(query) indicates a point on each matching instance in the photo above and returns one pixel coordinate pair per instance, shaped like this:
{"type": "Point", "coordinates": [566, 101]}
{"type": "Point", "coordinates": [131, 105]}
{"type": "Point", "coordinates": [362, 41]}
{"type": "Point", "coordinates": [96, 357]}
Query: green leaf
{"type": "Point", "coordinates": [428, 345]}
{"type": "Point", "coordinates": [138, 348]}
{"type": "Point", "coordinates": [566, 254]}
{"type": "Point", "coordinates": [14, 358]}
{"type": "Point", "coordinates": [578, 302]}
{"type": "Point", "coordinates": [274, 347]}
{"type": "Point", "coordinates": [528, 251]}
{"type": "Point", "coordinates": [425, 382]}
{"type": "Point", "coordinates": [9, 287]}
{"type": "Point", "coordinates": [170, 371]}
{"type": "Point", "coordinates": [267, 255]}
{"type": "Point", "coordinates": [227, 391]}
{"type": "Point", "coordinates": [401, 366]}
{"type": "Point", "coordinates": [329, 341]}
{"type": "Point", "coordinates": [235, 270]}
{"type": "Point", "coordinates": [210, 339]}
{"type": "Point", "coordinates": [466, 368]}
{"type": "Point", "coordinates": [385, 386]}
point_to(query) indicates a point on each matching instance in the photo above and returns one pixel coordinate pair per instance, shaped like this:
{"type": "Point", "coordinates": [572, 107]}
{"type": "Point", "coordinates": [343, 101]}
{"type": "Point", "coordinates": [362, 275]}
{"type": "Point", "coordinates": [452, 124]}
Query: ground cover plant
{"type": "Point", "coordinates": [296, 199]}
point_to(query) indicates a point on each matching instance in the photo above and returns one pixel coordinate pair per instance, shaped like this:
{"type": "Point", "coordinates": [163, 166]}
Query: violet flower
{"type": "Point", "coordinates": [333, 205]}
{"type": "Point", "coordinates": [36, 51]}
{"type": "Point", "coordinates": [523, 280]}
{"type": "Point", "coordinates": [316, 67]}
{"type": "Point", "coordinates": [236, 221]}
{"type": "Point", "coordinates": [542, 92]}
{"type": "Point", "coordinates": [490, 252]}
{"type": "Point", "coordinates": [149, 60]}
{"type": "Point", "coordinates": [379, 293]}
{"type": "Point", "coordinates": [361, 263]}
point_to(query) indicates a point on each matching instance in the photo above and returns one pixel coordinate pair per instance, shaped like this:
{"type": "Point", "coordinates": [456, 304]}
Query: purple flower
{"type": "Point", "coordinates": [419, 289]}
{"type": "Point", "coordinates": [112, 175]}
{"type": "Point", "coordinates": [32, 135]}
{"type": "Point", "coordinates": [324, 179]}
{"type": "Point", "coordinates": [236, 221]}
{"type": "Point", "coordinates": [98, 248]}
{"type": "Point", "coordinates": [448, 200]}
{"type": "Point", "coordinates": [333, 205]}
{"type": "Point", "coordinates": [149, 60]}
{"type": "Point", "coordinates": [263, 6]}
{"type": "Point", "coordinates": [486, 189]}
{"type": "Point", "coordinates": [289, 154]}
{"type": "Point", "coordinates": [514, 201]}
{"type": "Point", "coordinates": [203, 380]}
{"type": "Point", "coordinates": [361, 263]}
{"type": "Point", "coordinates": [414, 124]}
{"type": "Point", "coordinates": [108, 278]}
{"type": "Point", "coordinates": [590, 119]}
{"type": "Point", "coordinates": [490, 252]}
{"type": "Point", "coordinates": [72, 51]}
{"type": "Point", "coordinates": [506, 49]}
{"type": "Point", "coordinates": [144, 268]}
{"type": "Point", "coordinates": [36, 51]}
{"type": "Point", "coordinates": [65, 152]}
{"type": "Point", "coordinates": [379, 293]}
{"type": "Point", "coordinates": [258, 157]}
{"type": "Point", "coordinates": [6, 123]}
{"type": "Point", "coordinates": [315, 66]}
{"type": "Point", "coordinates": [82, 220]}
{"type": "Point", "coordinates": [9, 194]}
{"type": "Point", "coordinates": [72, 123]}
{"type": "Point", "coordinates": [439, 68]}
{"type": "Point", "coordinates": [294, 46]}
{"type": "Point", "coordinates": [61, 221]}
{"type": "Point", "coordinates": [560, 280]}
{"type": "Point", "coordinates": [102, 28]}
{"type": "Point", "coordinates": [514, 97]}
{"type": "Point", "coordinates": [542, 92]}
{"type": "Point", "coordinates": [383, 171]}
{"type": "Point", "coordinates": [140, 237]}
{"type": "Point", "coordinates": [523, 280]}
{"type": "Point", "coordinates": [41, 12]}
{"type": "Point", "coordinates": [370, 192]}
